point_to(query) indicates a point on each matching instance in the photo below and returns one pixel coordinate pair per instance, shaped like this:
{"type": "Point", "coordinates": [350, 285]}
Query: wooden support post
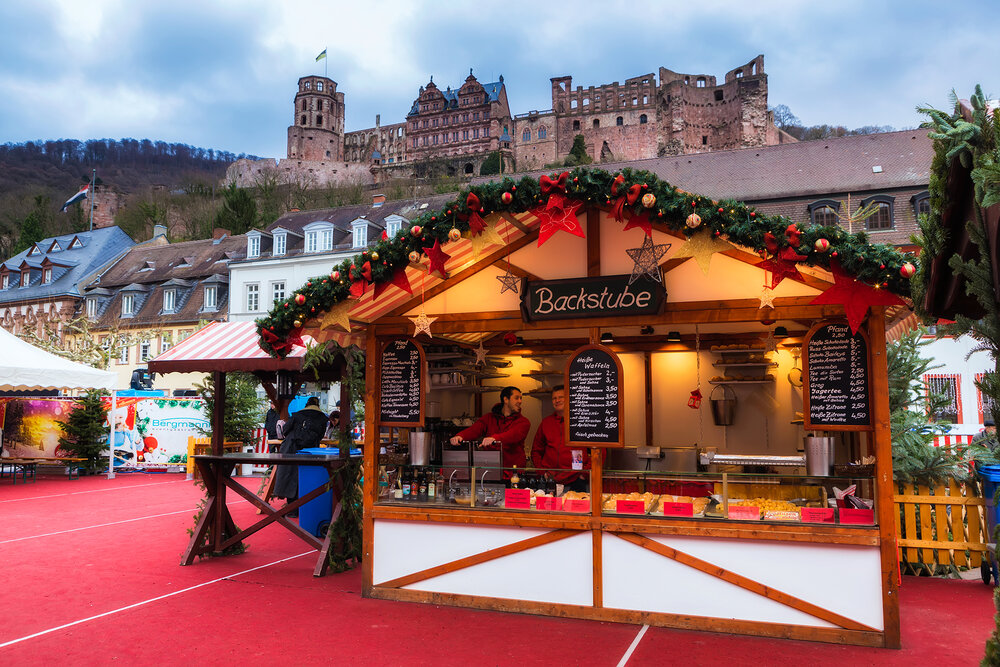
{"type": "Point", "coordinates": [218, 412]}
{"type": "Point", "coordinates": [371, 452]}
{"type": "Point", "coordinates": [648, 359]}
{"type": "Point", "coordinates": [593, 241]}
{"type": "Point", "coordinates": [885, 507]}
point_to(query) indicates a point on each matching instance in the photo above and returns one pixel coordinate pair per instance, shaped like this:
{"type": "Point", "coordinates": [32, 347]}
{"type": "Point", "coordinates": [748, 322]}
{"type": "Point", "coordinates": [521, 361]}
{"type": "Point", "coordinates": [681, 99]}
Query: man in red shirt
{"type": "Point", "coordinates": [549, 450]}
{"type": "Point", "coordinates": [503, 428]}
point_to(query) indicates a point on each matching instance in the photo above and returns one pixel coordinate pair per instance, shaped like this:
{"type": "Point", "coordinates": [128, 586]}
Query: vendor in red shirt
{"type": "Point", "coordinates": [503, 428]}
{"type": "Point", "coordinates": [549, 450]}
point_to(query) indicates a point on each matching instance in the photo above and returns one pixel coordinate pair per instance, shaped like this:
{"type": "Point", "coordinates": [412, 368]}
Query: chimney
{"type": "Point", "coordinates": [159, 230]}
{"type": "Point", "coordinates": [219, 233]}
{"type": "Point", "coordinates": [377, 200]}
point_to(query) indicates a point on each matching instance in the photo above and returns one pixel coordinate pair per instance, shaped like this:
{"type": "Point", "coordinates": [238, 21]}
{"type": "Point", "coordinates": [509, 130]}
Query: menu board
{"type": "Point", "coordinates": [593, 395]}
{"type": "Point", "coordinates": [401, 395]}
{"type": "Point", "coordinates": [836, 391]}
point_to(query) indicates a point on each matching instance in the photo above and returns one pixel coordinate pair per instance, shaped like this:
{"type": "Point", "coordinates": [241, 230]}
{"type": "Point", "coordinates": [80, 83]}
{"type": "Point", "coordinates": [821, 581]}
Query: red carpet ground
{"type": "Point", "coordinates": [90, 576]}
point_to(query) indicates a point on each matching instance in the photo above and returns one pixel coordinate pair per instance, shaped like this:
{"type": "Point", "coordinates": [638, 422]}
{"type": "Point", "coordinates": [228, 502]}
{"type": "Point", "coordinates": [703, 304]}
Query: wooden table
{"type": "Point", "coordinates": [216, 521]}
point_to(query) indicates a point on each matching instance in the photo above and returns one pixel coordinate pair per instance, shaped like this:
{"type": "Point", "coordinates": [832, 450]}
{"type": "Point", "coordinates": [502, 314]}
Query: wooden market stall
{"type": "Point", "coordinates": [585, 279]}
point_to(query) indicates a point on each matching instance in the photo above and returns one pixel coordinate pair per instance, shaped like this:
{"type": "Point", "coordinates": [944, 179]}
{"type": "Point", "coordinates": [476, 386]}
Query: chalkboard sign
{"type": "Point", "coordinates": [836, 392]}
{"type": "Point", "coordinates": [594, 411]}
{"type": "Point", "coordinates": [401, 391]}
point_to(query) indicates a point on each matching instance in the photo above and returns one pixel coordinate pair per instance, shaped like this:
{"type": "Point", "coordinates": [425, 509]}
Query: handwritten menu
{"type": "Point", "coordinates": [836, 392]}
{"type": "Point", "coordinates": [401, 394]}
{"type": "Point", "coordinates": [593, 389]}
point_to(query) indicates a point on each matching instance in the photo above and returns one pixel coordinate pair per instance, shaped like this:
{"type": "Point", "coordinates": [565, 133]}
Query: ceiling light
{"type": "Point", "coordinates": [674, 337]}
{"type": "Point", "coordinates": [646, 330]}
{"type": "Point", "coordinates": [607, 338]}
{"type": "Point", "coordinates": [780, 332]}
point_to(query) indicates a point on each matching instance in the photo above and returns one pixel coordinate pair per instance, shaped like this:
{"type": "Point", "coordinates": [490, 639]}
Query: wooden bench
{"type": "Point", "coordinates": [27, 468]}
{"type": "Point", "coordinates": [71, 464]}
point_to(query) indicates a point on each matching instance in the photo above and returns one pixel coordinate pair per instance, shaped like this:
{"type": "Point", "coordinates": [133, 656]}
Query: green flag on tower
{"type": "Point", "coordinates": [321, 56]}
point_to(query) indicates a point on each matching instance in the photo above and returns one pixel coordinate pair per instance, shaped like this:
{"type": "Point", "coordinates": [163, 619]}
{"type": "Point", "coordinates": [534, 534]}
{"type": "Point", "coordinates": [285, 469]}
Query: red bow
{"type": "Point", "coordinates": [618, 210]}
{"type": "Point", "coordinates": [359, 285]}
{"type": "Point", "coordinates": [771, 242]}
{"type": "Point", "coordinates": [277, 344]}
{"type": "Point", "coordinates": [793, 234]}
{"type": "Point", "coordinates": [476, 222]}
{"type": "Point", "coordinates": [366, 271]}
{"type": "Point", "coordinates": [619, 180]}
{"type": "Point", "coordinates": [549, 185]}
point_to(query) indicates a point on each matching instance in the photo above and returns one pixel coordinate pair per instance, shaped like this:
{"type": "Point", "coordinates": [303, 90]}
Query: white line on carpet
{"type": "Point", "coordinates": [145, 602]}
{"type": "Point", "coordinates": [114, 523]}
{"type": "Point", "coordinates": [635, 642]}
{"type": "Point", "coordinates": [76, 493]}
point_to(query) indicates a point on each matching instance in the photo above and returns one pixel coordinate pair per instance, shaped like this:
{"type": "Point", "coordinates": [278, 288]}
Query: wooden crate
{"type": "Point", "coordinates": [941, 526]}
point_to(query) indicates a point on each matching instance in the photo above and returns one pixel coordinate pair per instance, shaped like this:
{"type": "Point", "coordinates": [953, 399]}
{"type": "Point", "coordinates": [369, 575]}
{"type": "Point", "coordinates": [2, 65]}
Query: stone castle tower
{"type": "Point", "coordinates": [317, 130]}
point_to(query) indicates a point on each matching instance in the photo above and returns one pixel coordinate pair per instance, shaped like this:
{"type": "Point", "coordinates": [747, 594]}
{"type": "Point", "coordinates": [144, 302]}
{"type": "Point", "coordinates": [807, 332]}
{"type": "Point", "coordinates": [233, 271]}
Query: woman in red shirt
{"type": "Point", "coordinates": [503, 428]}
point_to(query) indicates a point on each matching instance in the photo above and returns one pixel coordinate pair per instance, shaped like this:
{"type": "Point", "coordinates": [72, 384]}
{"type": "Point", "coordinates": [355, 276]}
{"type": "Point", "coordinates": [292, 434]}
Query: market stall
{"type": "Point", "coordinates": [754, 510]}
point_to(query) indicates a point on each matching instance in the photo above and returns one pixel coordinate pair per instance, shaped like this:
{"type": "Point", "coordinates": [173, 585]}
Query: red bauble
{"type": "Point", "coordinates": [907, 270]}
{"type": "Point", "coordinates": [415, 230]}
{"type": "Point", "coordinates": [300, 299]}
{"type": "Point", "coordinates": [721, 210]}
{"type": "Point", "coordinates": [822, 245]}
{"type": "Point", "coordinates": [510, 338]}
{"type": "Point", "coordinates": [335, 275]}
{"type": "Point", "coordinates": [506, 198]}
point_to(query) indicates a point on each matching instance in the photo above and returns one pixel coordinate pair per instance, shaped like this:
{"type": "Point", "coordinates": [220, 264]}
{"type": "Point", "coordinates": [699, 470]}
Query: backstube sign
{"type": "Point", "coordinates": [600, 296]}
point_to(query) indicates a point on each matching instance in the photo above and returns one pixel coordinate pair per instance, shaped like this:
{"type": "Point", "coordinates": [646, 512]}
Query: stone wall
{"type": "Point", "coordinates": [310, 174]}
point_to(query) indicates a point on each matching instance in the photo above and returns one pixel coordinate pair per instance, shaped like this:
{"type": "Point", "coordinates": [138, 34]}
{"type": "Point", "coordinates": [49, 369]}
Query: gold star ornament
{"type": "Point", "coordinates": [422, 324]}
{"type": "Point", "coordinates": [337, 316]}
{"type": "Point", "coordinates": [489, 236]}
{"type": "Point", "coordinates": [701, 247]}
{"type": "Point", "coordinates": [767, 298]}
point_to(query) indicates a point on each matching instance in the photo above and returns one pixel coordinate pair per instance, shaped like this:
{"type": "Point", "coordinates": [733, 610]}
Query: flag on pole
{"type": "Point", "coordinates": [82, 194]}
{"type": "Point", "coordinates": [321, 56]}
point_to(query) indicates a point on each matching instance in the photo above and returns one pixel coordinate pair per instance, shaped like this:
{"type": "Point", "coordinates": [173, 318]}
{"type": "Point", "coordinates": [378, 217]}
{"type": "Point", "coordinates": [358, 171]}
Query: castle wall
{"type": "Point", "coordinates": [311, 174]}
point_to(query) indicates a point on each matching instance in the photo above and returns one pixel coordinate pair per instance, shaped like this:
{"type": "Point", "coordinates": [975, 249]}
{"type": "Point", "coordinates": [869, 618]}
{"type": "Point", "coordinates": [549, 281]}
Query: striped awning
{"type": "Point", "coordinates": [225, 346]}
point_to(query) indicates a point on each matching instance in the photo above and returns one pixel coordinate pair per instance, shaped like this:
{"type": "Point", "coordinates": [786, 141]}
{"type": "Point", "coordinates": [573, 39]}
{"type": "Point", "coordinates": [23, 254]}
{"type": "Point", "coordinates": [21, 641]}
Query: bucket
{"type": "Point", "coordinates": [724, 405]}
{"type": "Point", "coordinates": [819, 456]}
{"type": "Point", "coordinates": [420, 448]}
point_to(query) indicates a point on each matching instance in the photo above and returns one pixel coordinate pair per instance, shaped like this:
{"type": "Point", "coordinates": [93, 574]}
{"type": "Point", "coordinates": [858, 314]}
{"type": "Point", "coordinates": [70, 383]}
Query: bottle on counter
{"type": "Point", "coordinates": [407, 484]}
{"type": "Point", "coordinates": [397, 491]}
{"type": "Point", "coordinates": [422, 486]}
{"type": "Point", "coordinates": [515, 479]}
{"type": "Point", "coordinates": [431, 486]}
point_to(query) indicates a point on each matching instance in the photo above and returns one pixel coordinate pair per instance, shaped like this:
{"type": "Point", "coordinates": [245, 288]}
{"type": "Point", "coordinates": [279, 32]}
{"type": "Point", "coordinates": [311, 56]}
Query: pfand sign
{"type": "Point", "coordinates": [602, 296]}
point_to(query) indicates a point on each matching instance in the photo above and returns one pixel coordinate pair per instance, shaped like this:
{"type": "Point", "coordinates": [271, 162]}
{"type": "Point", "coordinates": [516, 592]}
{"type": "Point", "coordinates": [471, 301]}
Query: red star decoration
{"type": "Point", "coordinates": [399, 279]}
{"type": "Point", "coordinates": [558, 214]}
{"type": "Point", "coordinates": [640, 221]}
{"type": "Point", "coordinates": [437, 259]}
{"type": "Point", "coordinates": [855, 296]}
{"type": "Point", "coordinates": [358, 288]}
{"type": "Point", "coordinates": [780, 269]}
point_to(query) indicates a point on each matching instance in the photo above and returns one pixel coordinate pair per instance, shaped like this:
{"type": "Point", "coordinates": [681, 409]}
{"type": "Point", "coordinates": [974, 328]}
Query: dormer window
{"type": "Point", "coordinates": [360, 230]}
{"type": "Point", "coordinates": [148, 265]}
{"type": "Point", "coordinates": [47, 275]}
{"type": "Point", "coordinates": [211, 297]}
{"type": "Point", "coordinates": [55, 247]}
{"type": "Point", "coordinates": [25, 278]}
{"type": "Point", "coordinates": [6, 280]}
{"type": "Point", "coordinates": [169, 300]}
{"type": "Point", "coordinates": [319, 237]}
{"type": "Point", "coordinates": [75, 243]}
{"type": "Point", "coordinates": [91, 308]}
{"type": "Point", "coordinates": [253, 246]}
{"type": "Point", "coordinates": [35, 250]}
{"type": "Point", "coordinates": [392, 226]}
{"type": "Point", "coordinates": [280, 244]}
{"type": "Point", "coordinates": [128, 305]}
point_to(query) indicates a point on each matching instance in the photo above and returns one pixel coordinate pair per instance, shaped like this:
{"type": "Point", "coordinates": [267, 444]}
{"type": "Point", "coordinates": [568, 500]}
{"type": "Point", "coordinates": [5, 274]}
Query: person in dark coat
{"type": "Point", "coordinates": [304, 429]}
{"type": "Point", "coordinates": [271, 422]}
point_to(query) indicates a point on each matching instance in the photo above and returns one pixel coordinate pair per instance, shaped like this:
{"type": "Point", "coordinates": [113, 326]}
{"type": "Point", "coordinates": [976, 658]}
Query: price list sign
{"type": "Point", "coordinates": [401, 396]}
{"type": "Point", "coordinates": [593, 393]}
{"type": "Point", "coordinates": [836, 391]}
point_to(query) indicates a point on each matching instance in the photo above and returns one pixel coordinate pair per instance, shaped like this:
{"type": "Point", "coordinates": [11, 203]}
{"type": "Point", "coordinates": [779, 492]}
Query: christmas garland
{"type": "Point", "coordinates": [631, 195]}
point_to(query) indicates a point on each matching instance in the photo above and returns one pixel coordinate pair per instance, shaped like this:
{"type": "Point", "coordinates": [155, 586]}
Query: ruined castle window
{"type": "Point", "coordinates": [444, 137]}
{"type": "Point", "coordinates": [425, 141]}
{"type": "Point", "coordinates": [486, 132]}
{"type": "Point", "coordinates": [619, 121]}
{"type": "Point", "coordinates": [413, 125]}
{"type": "Point", "coordinates": [687, 80]}
{"type": "Point", "coordinates": [303, 105]}
{"type": "Point", "coordinates": [645, 99]}
{"type": "Point", "coordinates": [701, 82]}
{"type": "Point", "coordinates": [454, 118]}
{"type": "Point", "coordinates": [586, 101]}
{"type": "Point", "coordinates": [319, 86]}
{"type": "Point", "coordinates": [643, 120]}
{"type": "Point", "coordinates": [542, 133]}
{"type": "Point", "coordinates": [635, 101]}
{"type": "Point", "coordinates": [465, 135]}
{"type": "Point", "coordinates": [597, 123]}
{"type": "Point", "coordinates": [435, 140]}
{"type": "Point", "coordinates": [308, 85]}
{"type": "Point", "coordinates": [465, 117]}
{"type": "Point", "coordinates": [303, 121]}
{"type": "Point", "coordinates": [704, 140]}
{"type": "Point", "coordinates": [486, 114]}
{"type": "Point", "coordinates": [435, 123]}
{"type": "Point", "coordinates": [475, 115]}
{"type": "Point", "coordinates": [576, 125]}
{"type": "Point", "coordinates": [739, 74]}
{"type": "Point", "coordinates": [572, 104]}
{"type": "Point", "coordinates": [425, 123]}
{"type": "Point", "coordinates": [454, 136]}
{"type": "Point", "coordinates": [475, 133]}
{"type": "Point", "coordinates": [468, 168]}
{"type": "Point", "coordinates": [718, 96]}
{"type": "Point", "coordinates": [319, 120]}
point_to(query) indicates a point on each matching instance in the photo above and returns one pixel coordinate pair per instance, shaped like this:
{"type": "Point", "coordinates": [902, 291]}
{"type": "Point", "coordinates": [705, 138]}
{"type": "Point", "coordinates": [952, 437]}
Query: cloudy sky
{"type": "Point", "coordinates": [222, 73]}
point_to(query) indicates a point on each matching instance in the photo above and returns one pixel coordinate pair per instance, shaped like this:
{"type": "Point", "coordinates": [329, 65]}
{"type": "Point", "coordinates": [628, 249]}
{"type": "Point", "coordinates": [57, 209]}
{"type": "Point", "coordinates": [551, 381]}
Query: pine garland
{"type": "Point", "coordinates": [732, 220]}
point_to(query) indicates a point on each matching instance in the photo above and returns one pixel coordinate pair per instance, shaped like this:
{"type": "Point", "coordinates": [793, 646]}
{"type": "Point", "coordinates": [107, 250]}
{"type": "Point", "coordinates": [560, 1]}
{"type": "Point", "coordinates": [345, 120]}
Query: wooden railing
{"type": "Point", "coordinates": [940, 528]}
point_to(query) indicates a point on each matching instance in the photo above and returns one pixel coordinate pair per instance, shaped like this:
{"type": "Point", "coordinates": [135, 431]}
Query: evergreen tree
{"type": "Point", "coordinates": [578, 153]}
{"type": "Point", "coordinates": [33, 227]}
{"type": "Point", "coordinates": [85, 430]}
{"type": "Point", "coordinates": [244, 411]}
{"type": "Point", "coordinates": [239, 210]}
{"type": "Point", "coordinates": [491, 165]}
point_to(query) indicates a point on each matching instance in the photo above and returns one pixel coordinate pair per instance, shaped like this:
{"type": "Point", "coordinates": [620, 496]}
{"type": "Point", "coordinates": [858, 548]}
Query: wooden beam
{"type": "Point", "coordinates": [465, 273]}
{"type": "Point", "coordinates": [593, 241]}
{"type": "Point", "coordinates": [515, 222]}
{"type": "Point", "coordinates": [516, 270]}
{"type": "Point", "coordinates": [371, 451]}
{"type": "Point", "coordinates": [218, 411]}
{"type": "Point", "coordinates": [746, 583]}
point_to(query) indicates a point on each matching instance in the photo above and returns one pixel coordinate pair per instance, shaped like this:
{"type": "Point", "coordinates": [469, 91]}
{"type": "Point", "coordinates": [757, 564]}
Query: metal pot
{"type": "Point", "coordinates": [420, 448]}
{"type": "Point", "coordinates": [819, 455]}
{"type": "Point", "coordinates": [680, 459]}
{"type": "Point", "coordinates": [724, 405]}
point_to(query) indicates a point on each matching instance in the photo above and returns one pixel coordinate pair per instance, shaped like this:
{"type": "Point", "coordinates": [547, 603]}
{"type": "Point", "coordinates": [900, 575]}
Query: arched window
{"type": "Point", "coordinates": [921, 203]}
{"type": "Point", "coordinates": [824, 212]}
{"type": "Point", "coordinates": [542, 133]}
{"type": "Point", "coordinates": [576, 125]}
{"type": "Point", "coordinates": [642, 119]}
{"type": "Point", "coordinates": [319, 120]}
{"type": "Point", "coordinates": [619, 121]}
{"type": "Point", "coordinates": [597, 123]}
{"type": "Point", "coordinates": [526, 135]}
{"type": "Point", "coordinates": [882, 219]}
{"type": "Point", "coordinates": [701, 82]}
{"type": "Point", "coordinates": [468, 168]}
{"type": "Point", "coordinates": [303, 120]}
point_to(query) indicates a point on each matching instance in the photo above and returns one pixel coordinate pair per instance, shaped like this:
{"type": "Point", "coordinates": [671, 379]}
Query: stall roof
{"type": "Point", "coordinates": [24, 366]}
{"type": "Point", "coordinates": [225, 346]}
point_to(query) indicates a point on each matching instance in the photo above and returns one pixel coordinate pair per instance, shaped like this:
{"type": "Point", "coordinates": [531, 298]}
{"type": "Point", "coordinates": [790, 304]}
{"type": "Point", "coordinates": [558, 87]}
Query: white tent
{"type": "Point", "coordinates": [24, 366]}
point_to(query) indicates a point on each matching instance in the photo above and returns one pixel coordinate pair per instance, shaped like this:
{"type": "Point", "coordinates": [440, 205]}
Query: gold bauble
{"type": "Point", "coordinates": [693, 221]}
{"type": "Point", "coordinates": [414, 256]}
{"type": "Point", "coordinates": [297, 323]}
{"type": "Point", "coordinates": [375, 256]}
{"type": "Point", "coordinates": [454, 234]}
{"type": "Point", "coordinates": [649, 200]}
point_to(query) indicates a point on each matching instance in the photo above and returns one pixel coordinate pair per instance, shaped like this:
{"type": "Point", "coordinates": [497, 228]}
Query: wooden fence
{"type": "Point", "coordinates": [941, 527]}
